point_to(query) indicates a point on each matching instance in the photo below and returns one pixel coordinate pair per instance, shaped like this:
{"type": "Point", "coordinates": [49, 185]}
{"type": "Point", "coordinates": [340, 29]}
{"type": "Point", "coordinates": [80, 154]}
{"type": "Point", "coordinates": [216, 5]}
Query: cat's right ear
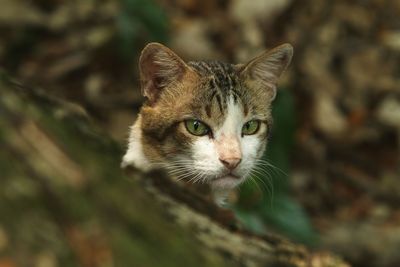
{"type": "Point", "coordinates": [159, 67]}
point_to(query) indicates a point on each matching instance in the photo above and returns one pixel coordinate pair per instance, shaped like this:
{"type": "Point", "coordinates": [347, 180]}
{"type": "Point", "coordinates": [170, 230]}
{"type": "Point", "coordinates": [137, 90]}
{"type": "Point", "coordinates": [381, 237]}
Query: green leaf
{"type": "Point", "coordinates": [289, 218]}
{"type": "Point", "coordinates": [281, 144]}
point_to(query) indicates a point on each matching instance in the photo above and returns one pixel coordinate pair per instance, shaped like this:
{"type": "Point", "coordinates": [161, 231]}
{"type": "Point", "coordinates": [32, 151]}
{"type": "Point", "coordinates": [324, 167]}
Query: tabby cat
{"type": "Point", "coordinates": [205, 121]}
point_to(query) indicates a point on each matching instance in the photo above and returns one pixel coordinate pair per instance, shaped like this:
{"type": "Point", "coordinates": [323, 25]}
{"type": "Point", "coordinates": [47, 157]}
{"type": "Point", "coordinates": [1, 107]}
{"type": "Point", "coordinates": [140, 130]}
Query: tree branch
{"type": "Point", "coordinates": [61, 184]}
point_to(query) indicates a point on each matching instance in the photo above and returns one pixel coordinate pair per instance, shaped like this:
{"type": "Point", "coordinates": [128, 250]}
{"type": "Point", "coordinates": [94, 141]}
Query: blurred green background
{"type": "Point", "coordinates": [334, 180]}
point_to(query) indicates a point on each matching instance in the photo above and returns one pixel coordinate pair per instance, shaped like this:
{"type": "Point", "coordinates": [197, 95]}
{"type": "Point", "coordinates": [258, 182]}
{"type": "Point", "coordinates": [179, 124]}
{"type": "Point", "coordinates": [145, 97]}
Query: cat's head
{"type": "Point", "coordinates": [207, 121]}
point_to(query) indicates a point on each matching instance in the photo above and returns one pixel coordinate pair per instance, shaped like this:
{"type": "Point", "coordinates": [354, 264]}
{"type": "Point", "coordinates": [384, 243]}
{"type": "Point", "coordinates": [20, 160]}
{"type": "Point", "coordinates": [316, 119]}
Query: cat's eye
{"type": "Point", "coordinates": [196, 127]}
{"type": "Point", "coordinates": [251, 127]}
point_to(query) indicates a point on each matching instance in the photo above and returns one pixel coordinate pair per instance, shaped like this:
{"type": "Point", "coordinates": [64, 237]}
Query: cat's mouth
{"type": "Point", "coordinates": [228, 180]}
{"type": "Point", "coordinates": [229, 175]}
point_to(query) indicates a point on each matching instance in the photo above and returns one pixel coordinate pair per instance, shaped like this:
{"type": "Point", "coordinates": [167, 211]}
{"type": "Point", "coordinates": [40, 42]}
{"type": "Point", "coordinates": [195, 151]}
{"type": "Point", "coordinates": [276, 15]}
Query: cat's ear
{"type": "Point", "coordinates": [159, 67]}
{"type": "Point", "coordinates": [265, 70]}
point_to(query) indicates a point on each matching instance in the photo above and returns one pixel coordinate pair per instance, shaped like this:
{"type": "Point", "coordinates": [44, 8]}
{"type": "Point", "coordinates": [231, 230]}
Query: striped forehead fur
{"type": "Point", "coordinates": [223, 81]}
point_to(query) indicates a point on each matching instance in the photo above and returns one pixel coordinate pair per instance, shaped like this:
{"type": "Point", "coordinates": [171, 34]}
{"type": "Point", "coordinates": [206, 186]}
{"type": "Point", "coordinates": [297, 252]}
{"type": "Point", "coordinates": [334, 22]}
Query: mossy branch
{"type": "Point", "coordinates": [64, 196]}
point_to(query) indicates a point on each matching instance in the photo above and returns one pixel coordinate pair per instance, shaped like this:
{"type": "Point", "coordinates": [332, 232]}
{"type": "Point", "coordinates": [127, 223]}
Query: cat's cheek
{"type": "Point", "coordinates": [252, 150]}
{"type": "Point", "coordinates": [250, 147]}
{"type": "Point", "coordinates": [205, 156]}
{"type": "Point", "coordinates": [258, 142]}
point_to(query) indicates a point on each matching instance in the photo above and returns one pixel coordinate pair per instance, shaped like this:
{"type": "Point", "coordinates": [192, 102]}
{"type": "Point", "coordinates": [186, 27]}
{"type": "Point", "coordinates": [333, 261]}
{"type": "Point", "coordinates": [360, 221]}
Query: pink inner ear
{"type": "Point", "coordinates": [149, 71]}
{"type": "Point", "coordinates": [159, 67]}
{"type": "Point", "coordinates": [148, 90]}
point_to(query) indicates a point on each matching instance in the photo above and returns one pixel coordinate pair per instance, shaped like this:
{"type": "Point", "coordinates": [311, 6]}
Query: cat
{"type": "Point", "coordinates": [205, 121]}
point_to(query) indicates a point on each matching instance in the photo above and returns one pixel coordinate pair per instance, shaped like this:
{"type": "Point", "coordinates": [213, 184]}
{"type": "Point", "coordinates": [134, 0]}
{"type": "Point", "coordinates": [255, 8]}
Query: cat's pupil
{"type": "Point", "coordinates": [196, 125]}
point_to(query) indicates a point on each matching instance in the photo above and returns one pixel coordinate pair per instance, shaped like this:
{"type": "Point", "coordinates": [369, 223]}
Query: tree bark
{"type": "Point", "coordinates": [65, 201]}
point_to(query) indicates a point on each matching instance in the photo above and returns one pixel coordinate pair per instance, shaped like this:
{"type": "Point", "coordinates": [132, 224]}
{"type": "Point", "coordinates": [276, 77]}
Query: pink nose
{"type": "Point", "coordinates": [230, 163]}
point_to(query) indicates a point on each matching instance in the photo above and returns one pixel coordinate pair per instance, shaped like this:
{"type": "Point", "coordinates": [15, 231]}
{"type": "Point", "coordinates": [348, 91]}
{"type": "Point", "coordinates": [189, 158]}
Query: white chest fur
{"type": "Point", "coordinates": [134, 156]}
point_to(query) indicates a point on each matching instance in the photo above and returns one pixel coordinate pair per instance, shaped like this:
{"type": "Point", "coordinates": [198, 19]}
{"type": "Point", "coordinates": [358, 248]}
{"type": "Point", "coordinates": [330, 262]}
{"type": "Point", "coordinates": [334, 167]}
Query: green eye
{"type": "Point", "coordinates": [250, 127]}
{"type": "Point", "coordinates": [196, 127]}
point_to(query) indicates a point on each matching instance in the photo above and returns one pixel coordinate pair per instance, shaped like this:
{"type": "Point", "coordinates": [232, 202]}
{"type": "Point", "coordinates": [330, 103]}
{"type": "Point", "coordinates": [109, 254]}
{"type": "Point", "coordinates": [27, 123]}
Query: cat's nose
{"type": "Point", "coordinates": [230, 163]}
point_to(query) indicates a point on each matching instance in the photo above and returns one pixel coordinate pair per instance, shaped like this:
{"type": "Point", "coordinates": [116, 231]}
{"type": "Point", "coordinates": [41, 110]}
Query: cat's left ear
{"type": "Point", "coordinates": [265, 70]}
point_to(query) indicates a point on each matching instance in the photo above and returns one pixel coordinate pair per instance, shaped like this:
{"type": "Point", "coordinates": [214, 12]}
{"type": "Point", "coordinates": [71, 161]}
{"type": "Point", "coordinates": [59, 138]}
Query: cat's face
{"type": "Point", "coordinates": [207, 121]}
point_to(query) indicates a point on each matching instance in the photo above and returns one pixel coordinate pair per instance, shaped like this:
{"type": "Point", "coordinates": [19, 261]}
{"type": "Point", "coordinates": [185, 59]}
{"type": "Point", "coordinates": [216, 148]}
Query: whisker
{"type": "Point", "coordinates": [266, 162]}
{"type": "Point", "coordinates": [257, 178]}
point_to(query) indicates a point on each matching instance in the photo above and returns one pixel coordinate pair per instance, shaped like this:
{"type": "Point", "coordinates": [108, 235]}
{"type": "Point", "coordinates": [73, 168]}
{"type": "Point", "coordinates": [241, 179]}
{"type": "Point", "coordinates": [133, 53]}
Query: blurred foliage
{"type": "Point", "coordinates": [275, 207]}
{"type": "Point", "coordinates": [138, 21]}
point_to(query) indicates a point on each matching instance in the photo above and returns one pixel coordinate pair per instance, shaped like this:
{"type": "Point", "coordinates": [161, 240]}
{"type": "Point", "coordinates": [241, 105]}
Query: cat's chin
{"type": "Point", "coordinates": [226, 182]}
